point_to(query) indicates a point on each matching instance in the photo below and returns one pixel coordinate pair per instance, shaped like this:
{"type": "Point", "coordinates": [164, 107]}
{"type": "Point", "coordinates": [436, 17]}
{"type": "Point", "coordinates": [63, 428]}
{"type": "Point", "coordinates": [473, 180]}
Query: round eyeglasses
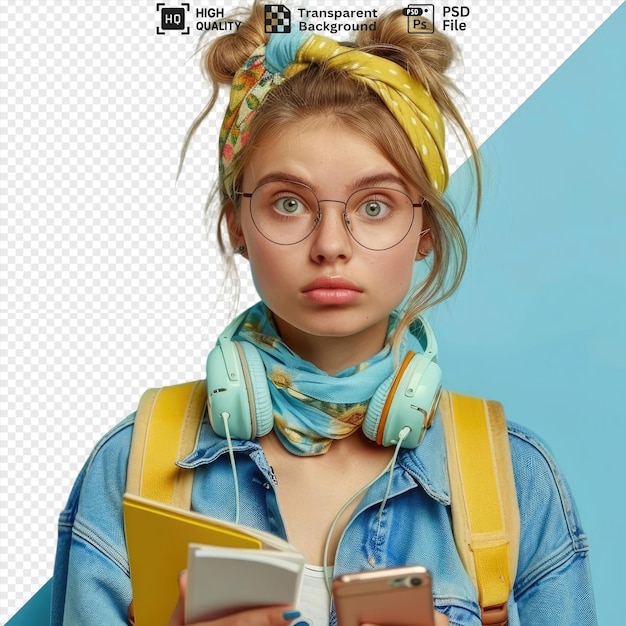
{"type": "Point", "coordinates": [286, 212]}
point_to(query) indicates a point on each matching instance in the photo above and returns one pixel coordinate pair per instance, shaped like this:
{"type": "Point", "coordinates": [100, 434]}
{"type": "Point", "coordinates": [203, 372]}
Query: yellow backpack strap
{"type": "Point", "coordinates": [485, 514]}
{"type": "Point", "coordinates": [165, 430]}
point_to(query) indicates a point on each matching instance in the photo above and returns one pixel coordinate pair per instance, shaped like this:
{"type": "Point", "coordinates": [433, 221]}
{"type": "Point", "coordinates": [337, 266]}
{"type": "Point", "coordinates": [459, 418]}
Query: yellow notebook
{"type": "Point", "coordinates": [158, 536]}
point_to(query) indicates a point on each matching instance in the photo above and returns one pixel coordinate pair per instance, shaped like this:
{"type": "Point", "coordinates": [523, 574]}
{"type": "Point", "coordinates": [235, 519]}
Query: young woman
{"type": "Point", "coordinates": [332, 170]}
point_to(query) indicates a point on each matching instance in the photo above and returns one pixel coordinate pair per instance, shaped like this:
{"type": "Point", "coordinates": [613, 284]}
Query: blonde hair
{"type": "Point", "coordinates": [321, 90]}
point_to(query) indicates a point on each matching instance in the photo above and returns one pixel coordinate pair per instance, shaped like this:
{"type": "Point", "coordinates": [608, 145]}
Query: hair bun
{"type": "Point", "coordinates": [225, 55]}
{"type": "Point", "coordinates": [426, 56]}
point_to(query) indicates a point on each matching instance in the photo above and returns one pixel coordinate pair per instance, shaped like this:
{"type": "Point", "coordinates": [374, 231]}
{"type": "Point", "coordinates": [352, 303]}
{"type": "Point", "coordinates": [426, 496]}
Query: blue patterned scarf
{"type": "Point", "coordinates": [311, 408]}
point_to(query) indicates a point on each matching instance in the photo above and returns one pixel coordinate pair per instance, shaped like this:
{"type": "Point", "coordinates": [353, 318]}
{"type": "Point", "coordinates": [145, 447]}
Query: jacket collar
{"type": "Point", "coordinates": [426, 465]}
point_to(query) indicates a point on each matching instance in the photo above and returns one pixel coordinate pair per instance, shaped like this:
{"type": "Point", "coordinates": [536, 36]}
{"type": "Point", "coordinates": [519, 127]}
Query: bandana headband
{"type": "Point", "coordinates": [286, 55]}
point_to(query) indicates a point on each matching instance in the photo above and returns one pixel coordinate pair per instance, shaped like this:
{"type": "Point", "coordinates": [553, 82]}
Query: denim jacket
{"type": "Point", "coordinates": [553, 587]}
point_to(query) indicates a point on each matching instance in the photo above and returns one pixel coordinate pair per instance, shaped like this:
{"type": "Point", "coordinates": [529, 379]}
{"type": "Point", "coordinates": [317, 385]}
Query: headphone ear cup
{"type": "Point", "coordinates": [371, 421]}
{"type": "Point", "coordinates": [261, 412]}
{"type": "Point", "coordinates": [409, 398]}
{"type": "Point", "coordinates": [244, 398]}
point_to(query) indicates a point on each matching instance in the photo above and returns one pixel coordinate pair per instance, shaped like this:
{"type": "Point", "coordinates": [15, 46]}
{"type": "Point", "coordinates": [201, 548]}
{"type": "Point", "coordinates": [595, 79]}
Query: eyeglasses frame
{"type": "Point", "coordinates": [346, 219]}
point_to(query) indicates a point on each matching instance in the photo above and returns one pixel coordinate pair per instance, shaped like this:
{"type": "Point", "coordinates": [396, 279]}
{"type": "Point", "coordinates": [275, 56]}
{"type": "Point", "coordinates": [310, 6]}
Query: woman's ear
{"type": "Point", "coordinates": [425, 245]}
{"type": "Point", "coordinates": [235, 232]}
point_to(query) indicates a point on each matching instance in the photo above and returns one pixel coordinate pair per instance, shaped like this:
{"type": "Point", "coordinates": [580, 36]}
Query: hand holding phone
{"type": "Point", "coordinates": [400, 596]}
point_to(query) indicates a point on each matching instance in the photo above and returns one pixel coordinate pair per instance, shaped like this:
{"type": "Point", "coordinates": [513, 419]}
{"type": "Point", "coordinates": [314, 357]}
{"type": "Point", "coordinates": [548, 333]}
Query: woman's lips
{"type": "Point", "coordinates": [331, 290]}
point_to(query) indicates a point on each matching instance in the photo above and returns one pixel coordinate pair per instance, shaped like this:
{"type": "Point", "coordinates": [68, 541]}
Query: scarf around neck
{"type": "Point", "coordinates": [312, 408]}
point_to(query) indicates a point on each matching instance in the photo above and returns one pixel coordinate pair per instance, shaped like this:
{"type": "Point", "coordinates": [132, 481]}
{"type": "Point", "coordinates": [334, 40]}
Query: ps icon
{"type": "Point", "coordinates": [277, 18]}
{"type": "Point", "coordinates": [420, 18]}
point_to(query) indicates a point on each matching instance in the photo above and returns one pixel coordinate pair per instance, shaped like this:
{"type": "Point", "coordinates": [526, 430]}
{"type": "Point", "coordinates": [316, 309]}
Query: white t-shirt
{"type": "Point", "coordinates": [314, 602]}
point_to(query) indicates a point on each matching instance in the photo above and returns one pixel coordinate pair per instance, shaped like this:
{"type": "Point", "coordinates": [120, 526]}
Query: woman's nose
{"type": "Point", "coordinates": [331, 239]}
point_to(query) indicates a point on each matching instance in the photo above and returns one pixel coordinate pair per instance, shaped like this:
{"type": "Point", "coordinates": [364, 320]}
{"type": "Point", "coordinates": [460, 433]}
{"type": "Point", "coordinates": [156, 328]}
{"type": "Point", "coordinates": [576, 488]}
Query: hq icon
{"type": "Point", "coordinates": [172, 18]}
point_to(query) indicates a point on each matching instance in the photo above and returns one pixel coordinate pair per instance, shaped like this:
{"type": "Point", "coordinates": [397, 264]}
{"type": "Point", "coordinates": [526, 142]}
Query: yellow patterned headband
{"type": "Point", "coordinates": [285, 55]}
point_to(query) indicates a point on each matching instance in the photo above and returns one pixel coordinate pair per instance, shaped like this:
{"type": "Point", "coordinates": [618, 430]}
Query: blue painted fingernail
{"type": "Point", "coordinates": [291, 615]}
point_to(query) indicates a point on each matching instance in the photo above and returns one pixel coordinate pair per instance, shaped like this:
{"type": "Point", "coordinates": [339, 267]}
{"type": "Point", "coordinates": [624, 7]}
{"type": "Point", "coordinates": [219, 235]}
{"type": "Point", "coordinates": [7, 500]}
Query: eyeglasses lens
{"type": "Point", "coordinates": [287, 212]}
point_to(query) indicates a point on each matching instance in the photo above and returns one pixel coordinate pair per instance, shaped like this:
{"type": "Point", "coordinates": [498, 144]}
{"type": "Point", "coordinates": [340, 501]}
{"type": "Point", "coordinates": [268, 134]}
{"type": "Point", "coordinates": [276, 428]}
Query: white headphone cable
{"type": "Point", "coordinates": [404, 433]}
{"type": "Point", "coordinates": [225, 416]}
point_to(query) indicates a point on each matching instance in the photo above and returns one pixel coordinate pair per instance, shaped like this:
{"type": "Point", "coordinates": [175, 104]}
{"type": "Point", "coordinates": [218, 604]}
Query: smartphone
{"type": "Point", "coordinates": [399, 596]}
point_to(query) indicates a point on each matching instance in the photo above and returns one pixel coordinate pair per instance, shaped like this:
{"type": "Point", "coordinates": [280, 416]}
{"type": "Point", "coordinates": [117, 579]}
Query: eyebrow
{"type": "Point", "coordinates": [378, 179]}
{"type": "Point", "coordinates": [360, 183]}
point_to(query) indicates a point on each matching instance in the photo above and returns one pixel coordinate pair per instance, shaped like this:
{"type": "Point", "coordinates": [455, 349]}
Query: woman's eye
{"type": "Point", "coordinates": [290, 206]}
{"type": "Point", "coordinates": [374, 209]}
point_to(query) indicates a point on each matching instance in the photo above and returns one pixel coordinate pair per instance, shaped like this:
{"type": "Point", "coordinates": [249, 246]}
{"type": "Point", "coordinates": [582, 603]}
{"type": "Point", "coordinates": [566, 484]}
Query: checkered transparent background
{"type": "Point", "coordinates": [109, 283]}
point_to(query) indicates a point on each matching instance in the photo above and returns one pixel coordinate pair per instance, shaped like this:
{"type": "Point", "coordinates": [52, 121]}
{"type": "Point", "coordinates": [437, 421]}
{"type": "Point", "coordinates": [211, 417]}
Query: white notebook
{"type": "Point", "coordinates": [221, 581]}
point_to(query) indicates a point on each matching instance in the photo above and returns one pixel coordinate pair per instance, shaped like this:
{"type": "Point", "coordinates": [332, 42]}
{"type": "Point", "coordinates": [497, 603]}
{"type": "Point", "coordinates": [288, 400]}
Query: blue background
{"type": "Point", "coordinates": [539, 321]}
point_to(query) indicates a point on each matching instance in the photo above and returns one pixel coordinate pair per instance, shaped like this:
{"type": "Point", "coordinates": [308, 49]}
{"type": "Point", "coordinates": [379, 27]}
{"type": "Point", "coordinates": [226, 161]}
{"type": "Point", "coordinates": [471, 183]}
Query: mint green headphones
{"type": "Point", "coordinates": [239, 397]}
